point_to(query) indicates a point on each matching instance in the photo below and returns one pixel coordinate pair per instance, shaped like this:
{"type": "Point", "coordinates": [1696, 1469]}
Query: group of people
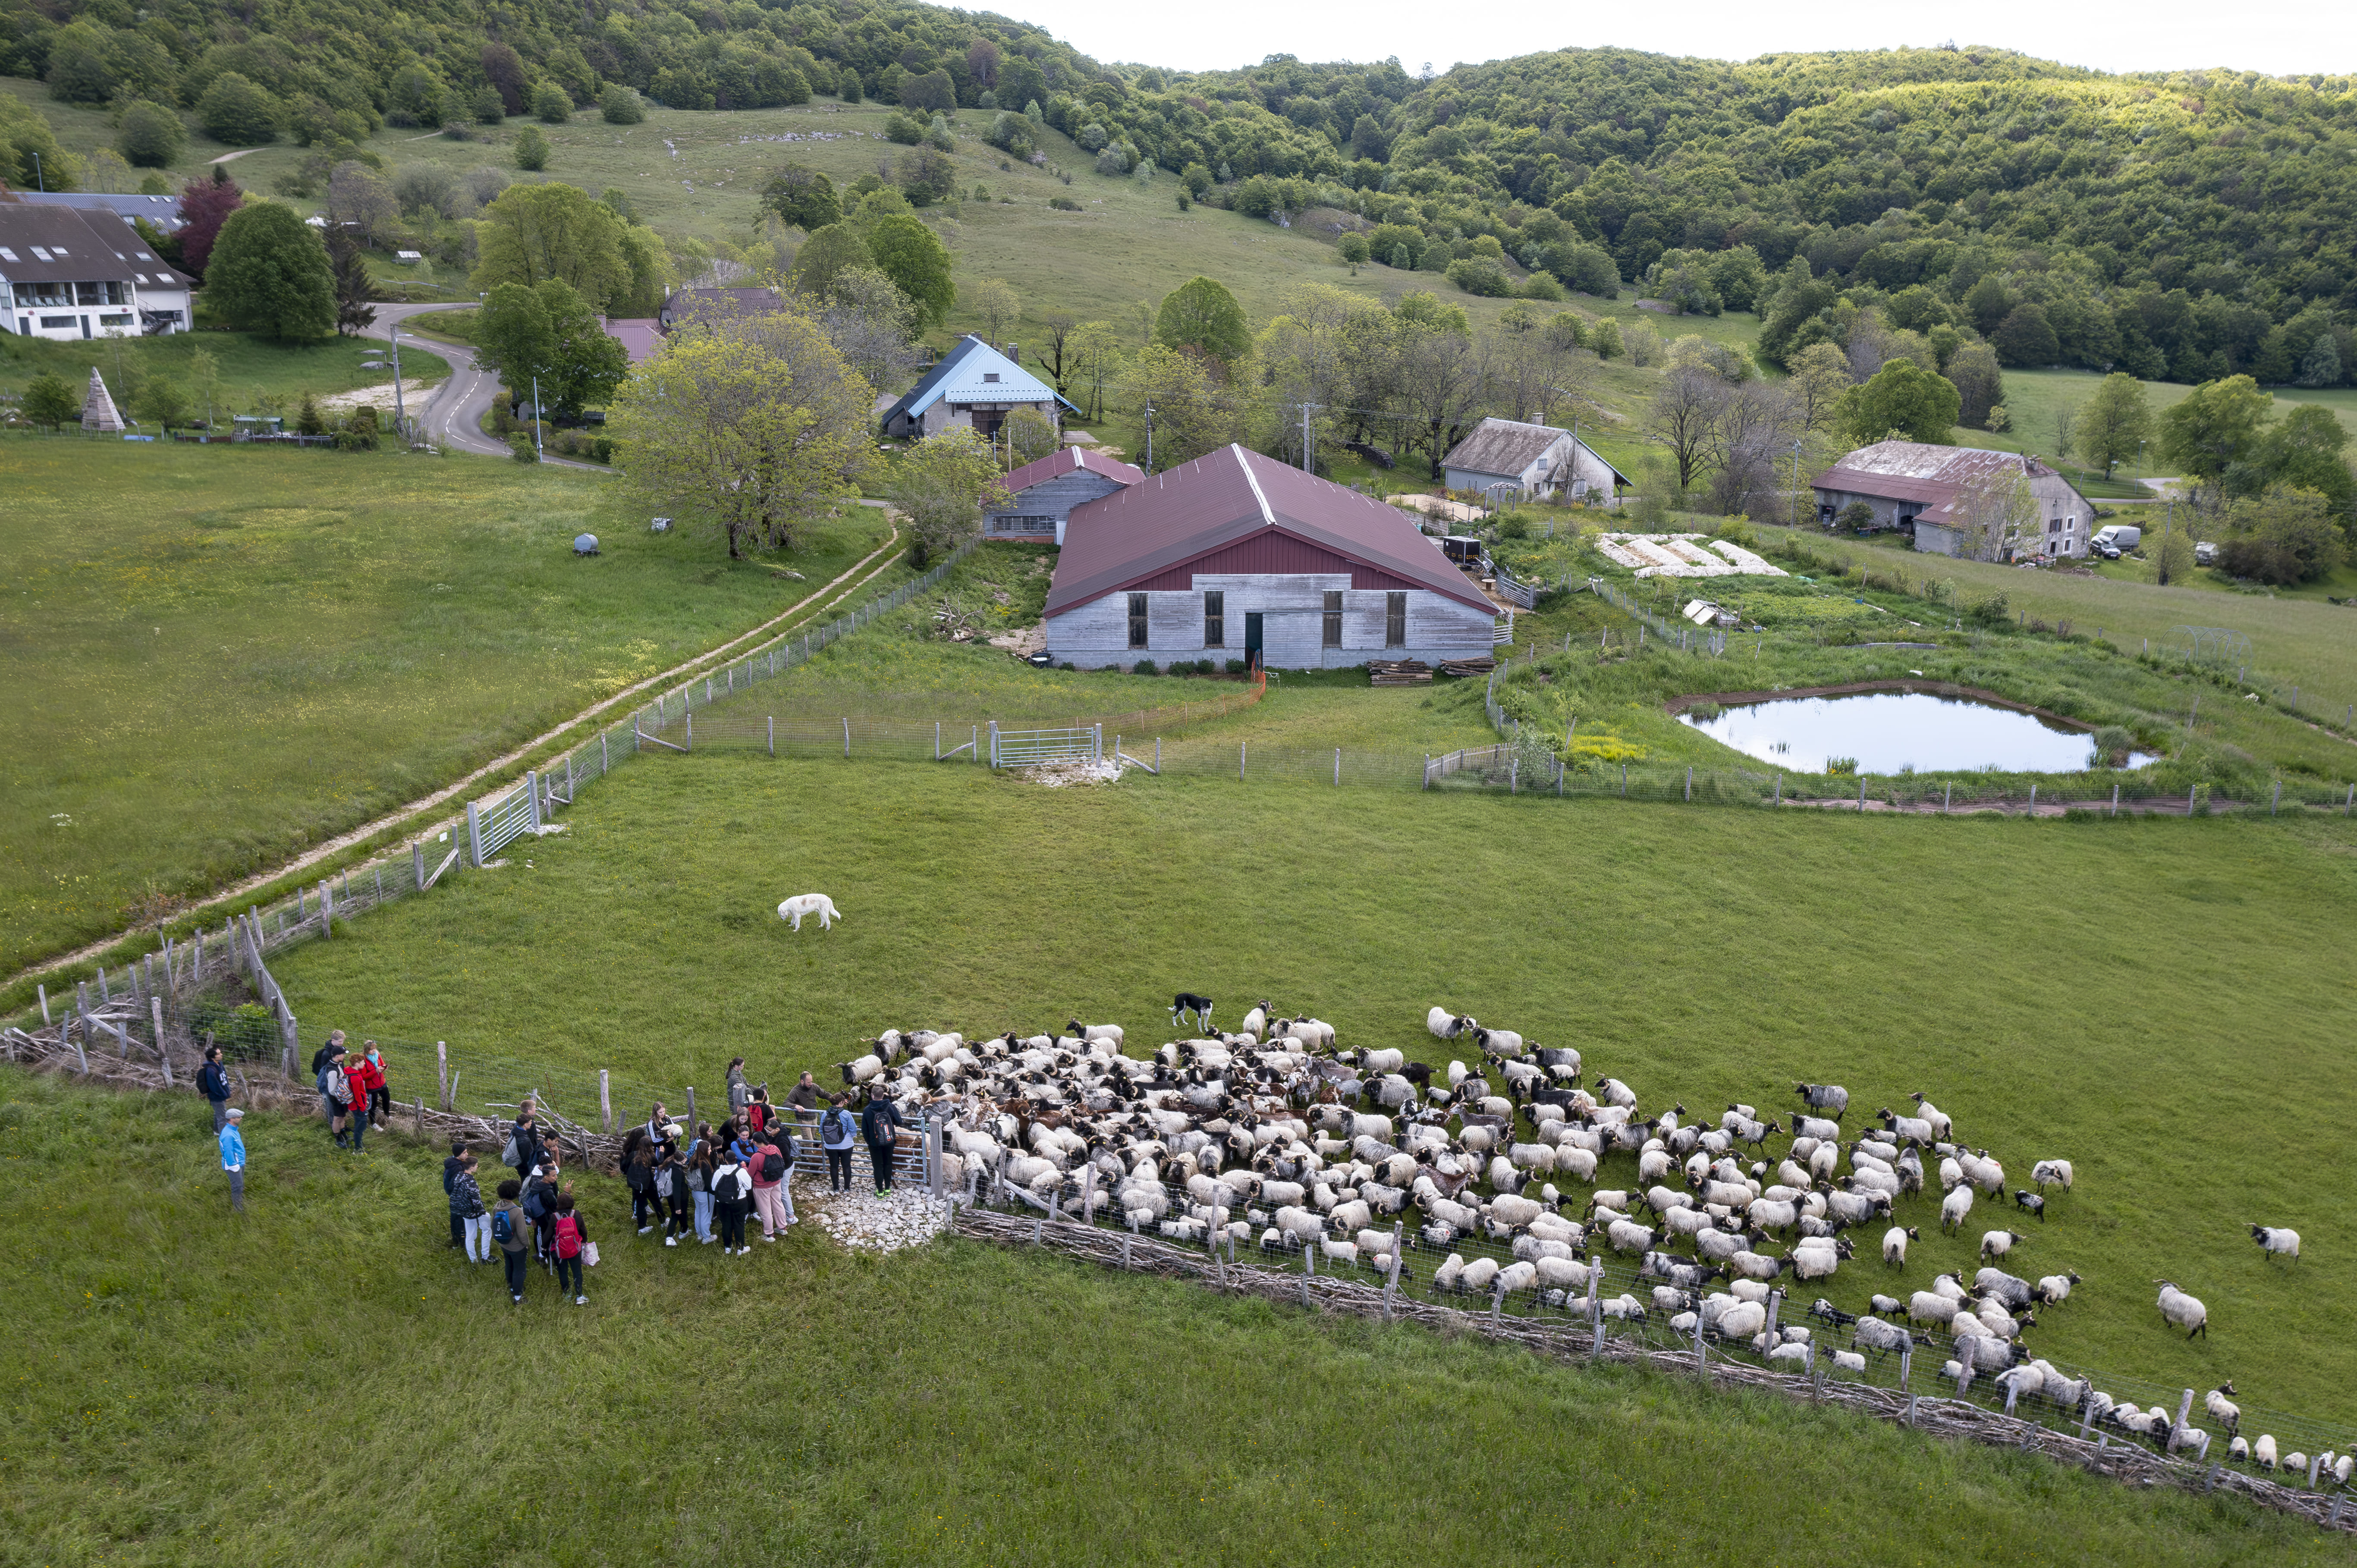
{"type": "Point", "coordinates": [706, 1185]}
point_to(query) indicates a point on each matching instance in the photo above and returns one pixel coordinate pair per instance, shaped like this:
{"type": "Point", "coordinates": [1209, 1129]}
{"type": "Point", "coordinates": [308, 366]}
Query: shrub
{"type": "Point", "coordinates": [235, 110]}
{"type": "Point", "coordinates": [1538, 285]}
{"type": "Point", "coordinates": [520, 447]}
{"type": "Point", "coordinates": [1063, 204]}
{"type": "Point", "coordinates": [1856, 516]}
{"type": "Point", "coordinates": [1842, 766]}
{"type": "Point", "coordinates": [488, 106]}
{"type": "Point", "coordinates": [904, 130]}
{"type": "Point", "coordinates": [1513, 526]}
{"type": "Point", "coordinates": [620, 106]}
{"type": "Point", "coordinates": [1144, 666]}
{"type": "Point", "coordinates": [1237, 666]}
{"type": "Point", "coordinates": [531, 150]}
{"type": "Point", "coordinates": [151, 136]}
{"type": "Point", "coordinates": [551, 104]}
{"type": "Point", "coordinates": [1994, 610]}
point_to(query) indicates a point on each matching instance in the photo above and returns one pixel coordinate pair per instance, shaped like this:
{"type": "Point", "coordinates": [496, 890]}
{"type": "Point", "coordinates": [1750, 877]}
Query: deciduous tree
{"type": "Point", "coordinates": [998, 305]}
{"type": "Point", "coordinates": [916, 261]}
{"type": "Point", "coordinates": [1902, 397]}
{"type": "Point", "coordinates": [2114, 424]}
{"type": "Point", "coordinates": [534, 232]}
{"type": "Point", "coordinates": [802, 197]}
{"type": "Point", "coordinates": [269, 273]}
{"type": "Point", "coordinates": [1202, 317]}
{"type": "Point", "coordinates": [941, 487]}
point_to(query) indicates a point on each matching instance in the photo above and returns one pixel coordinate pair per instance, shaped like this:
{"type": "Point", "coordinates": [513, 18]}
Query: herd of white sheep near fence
{"type": "Point", "coordinates": [1272, 1137]}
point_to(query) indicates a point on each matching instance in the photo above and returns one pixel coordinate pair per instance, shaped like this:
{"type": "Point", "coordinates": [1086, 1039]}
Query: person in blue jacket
{"type": "Point", "coordinates": [232, 1148]}
{"type": "Point", "coordinates": [837, 1131]}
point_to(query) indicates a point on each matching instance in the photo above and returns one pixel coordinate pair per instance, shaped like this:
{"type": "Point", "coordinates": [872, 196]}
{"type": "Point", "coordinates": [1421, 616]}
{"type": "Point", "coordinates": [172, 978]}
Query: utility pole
{"type": "Point", "coordinates": [41, 180]}
{"type": "Point", "coordinates": [400, 421]}
{"type": "Point", "coordinates": [1149, 438]}
{"type": "Point", "coordinates": [535, 419]}
{"type": "Point", "coordinates": [1796, 480]}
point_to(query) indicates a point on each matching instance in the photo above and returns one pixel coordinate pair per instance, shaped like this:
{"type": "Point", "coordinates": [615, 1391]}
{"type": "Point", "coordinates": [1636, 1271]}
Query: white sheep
{"type": "Point", "coordinates": [1997, 1243]}
{"type": "Point", "coordinates": [1929, 1306]}
{"type": "Point", "coordinates": [2183, 1311]}
{"type": "Point", "coordinates": [1894, 1243]}
{"type": "Point", "coordinates": [2264, 1451]}
{"type": "Point", "coordinates": [1512, 1210]}
{"type": "Point", "coordinates": [1479, 1273]}
{"type": "Point", "coordinates": [1627, 1236]}
{"type": "Point", "coordinates": [1955, 1208]}
{"type": "Point", "coordinates": [1849, 1361]}
{"type": "Point", "coordinates": [1445, 1025]}
{"type": "Point", "coordinates": [1376, 1063]}
{"type": "Point", "coordinates": [2223, 1410]}
{"type": "Point", "coordinates": [2274, 1239]}
{"type": "Point", "coordinates": [2056, 1288]}
{"type": "Point", "coordinates": [1623, 1308]}
{"type": "Point", "coordinates": [2054, 1173]}
{"type": "Point", "coordinates": [1451, 1275]}
{"type": "Point", "coordinates": [1518, 1277]}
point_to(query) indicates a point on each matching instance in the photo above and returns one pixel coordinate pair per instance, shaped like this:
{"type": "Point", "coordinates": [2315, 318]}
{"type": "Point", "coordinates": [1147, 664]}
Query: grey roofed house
{"type": "Point", "coordinates": [1040, 494]}
{"type": "Point", "coordinates": [973, 384]}
{"type": "Point", "coordinates": [164, 211]}
{"type": "Point", "coordinates": [1918, 489]}
{"type": "Point", "coordinates": [67, 273]}
{"type": "Point", "coordinates": [1535, 460]}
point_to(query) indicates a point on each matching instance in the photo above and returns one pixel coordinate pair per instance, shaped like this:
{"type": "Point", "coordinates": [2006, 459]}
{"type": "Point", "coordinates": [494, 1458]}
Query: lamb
{"type": "Point", "coordinates": [2056, 1288]}
{"type": "Point", "coordinates": [2182, 1311]}
{"type": "Point", "coordinates": [1997, 1243]}
{"type": "Point", "coordinates": [1849, 1361]}
{"type": "Point", "coordinates": [1955, 1208]}
{"type": "Point", "coordinates": [2030, 1202]}
{"type": "Point", "coordinates": [2223, 1410]}
{"type": "Point", "coordinates": [1894, 1243]}
{"type": "Point", "coordinates": [2054, 1173]}
{"type": "Point", "coordinates": [1561, 1062]}
{"type": "Point", "coordinates": [1828, 1097]}
{"type": "Point", "coordinates": [2274, 1239]}
{"type": "Point", "coordinates": [1445, 1025]}
{"type": "Point", "coordinates": [1340, 1252]}
{"type": "Point", "coordinates": [819, 903]}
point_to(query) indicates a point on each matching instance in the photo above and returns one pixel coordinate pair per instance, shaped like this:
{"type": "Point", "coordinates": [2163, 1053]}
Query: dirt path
{"type": "Point", "coordinates": [882, 557]}
{"type": "Point", "coordinates": [242, 151]}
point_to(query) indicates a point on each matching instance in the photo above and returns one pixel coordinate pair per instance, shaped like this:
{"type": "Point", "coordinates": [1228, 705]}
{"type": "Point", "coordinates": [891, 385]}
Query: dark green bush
{"type": "Point", "coordinates": [1144, 666]}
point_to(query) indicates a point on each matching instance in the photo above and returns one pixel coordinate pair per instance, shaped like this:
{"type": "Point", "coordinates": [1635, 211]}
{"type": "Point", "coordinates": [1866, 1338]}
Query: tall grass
{"type": "Point", "coordinates": [322, 1381]}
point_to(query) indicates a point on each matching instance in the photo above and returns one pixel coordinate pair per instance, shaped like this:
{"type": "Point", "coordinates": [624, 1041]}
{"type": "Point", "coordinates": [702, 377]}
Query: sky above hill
{"type": "Point", "coordinates": [2281, 37]}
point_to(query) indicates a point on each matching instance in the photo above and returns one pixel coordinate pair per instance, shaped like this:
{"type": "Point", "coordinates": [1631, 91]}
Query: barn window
{"type": "Point", "coordinates": [1334, 619]}
{"type": "Point", "coordinates": [1395, 620]}
{"type": "Point", "coordinates": [1215, 618]}
{"type": "Point", "coordinates": [1138, 620]}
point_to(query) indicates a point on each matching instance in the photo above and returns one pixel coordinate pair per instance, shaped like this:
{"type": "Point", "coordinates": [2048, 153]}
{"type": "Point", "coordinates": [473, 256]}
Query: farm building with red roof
{"type": "Point", "coordinates": [1235, 555]}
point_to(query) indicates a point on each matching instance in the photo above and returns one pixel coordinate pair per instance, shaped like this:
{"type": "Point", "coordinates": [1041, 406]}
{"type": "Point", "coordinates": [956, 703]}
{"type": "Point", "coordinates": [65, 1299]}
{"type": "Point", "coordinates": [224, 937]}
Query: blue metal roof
{"type": "Point", "coordinates": [974, 371]}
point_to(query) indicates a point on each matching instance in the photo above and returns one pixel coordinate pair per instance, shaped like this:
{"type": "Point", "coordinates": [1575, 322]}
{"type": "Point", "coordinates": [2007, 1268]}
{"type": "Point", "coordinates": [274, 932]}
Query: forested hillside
{"type": "Point", "coordinates": [2187, 226]}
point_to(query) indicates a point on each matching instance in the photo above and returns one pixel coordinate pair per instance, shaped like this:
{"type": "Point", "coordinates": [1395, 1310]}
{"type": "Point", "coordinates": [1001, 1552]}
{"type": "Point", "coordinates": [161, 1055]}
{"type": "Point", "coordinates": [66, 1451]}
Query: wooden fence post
{"type": "Point", "coordinates": [156, 1008]}
{"type": "Point", "coordinates": [442, 1069]}
{"type": "Point", "coordinates": [691, 1108]}
{"type": "Point", "coordinates": [605, 1100]}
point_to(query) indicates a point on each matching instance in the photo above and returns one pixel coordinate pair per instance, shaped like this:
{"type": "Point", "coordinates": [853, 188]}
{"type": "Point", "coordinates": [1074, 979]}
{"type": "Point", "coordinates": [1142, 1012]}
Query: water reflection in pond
{"type": "Point", "coordinates": [1888, 732]}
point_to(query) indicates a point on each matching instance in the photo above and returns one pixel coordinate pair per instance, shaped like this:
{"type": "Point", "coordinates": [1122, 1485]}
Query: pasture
{"type": "Point", "coordinates": [252, 370]}
{"type": "Point", "coordinates": [2157, 1001]}
{"type": "Point", "coordinates": [221, 655]}
{"type": "Point", "coordinates": [322, 1380]}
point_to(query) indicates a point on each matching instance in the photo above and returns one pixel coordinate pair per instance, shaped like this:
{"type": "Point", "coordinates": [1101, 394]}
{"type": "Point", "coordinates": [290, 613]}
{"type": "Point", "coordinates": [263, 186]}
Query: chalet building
{"type": "Point", "coordinates": [1536, 460]}
{"type": "Point", "coordinates": [1235, 555]}
{"type": "Point", "coordinates": [67, 273]}
{"type": "Point", "coordinates": [1041, 495]}
{"type": "Point", "coordinates": [1919, 489]}
{"type": "Point", "coordinates": [975, 385]}
{"type": "Point", "coordinates": [163, 211]}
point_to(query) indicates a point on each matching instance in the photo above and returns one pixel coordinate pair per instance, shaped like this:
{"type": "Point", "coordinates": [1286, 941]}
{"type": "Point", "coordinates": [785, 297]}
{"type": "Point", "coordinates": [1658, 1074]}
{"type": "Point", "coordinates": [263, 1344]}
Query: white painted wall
{"type": "Point", "coordinates": [1095, 635]}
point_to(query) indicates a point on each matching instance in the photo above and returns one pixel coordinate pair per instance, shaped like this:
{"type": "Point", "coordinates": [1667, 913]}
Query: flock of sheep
{"type": "Point", "coordinates": [1271, 1136]}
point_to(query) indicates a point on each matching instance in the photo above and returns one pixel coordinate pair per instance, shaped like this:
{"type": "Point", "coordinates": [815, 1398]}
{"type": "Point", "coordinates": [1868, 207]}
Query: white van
{"type": "Point", "coordinates": [2118, 535]}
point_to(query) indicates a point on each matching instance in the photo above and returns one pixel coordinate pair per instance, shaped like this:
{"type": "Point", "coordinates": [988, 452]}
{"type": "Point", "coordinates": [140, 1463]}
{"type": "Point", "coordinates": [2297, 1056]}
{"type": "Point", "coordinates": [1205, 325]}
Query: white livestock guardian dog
{"type": "Point", "coordinates": [802, 904]}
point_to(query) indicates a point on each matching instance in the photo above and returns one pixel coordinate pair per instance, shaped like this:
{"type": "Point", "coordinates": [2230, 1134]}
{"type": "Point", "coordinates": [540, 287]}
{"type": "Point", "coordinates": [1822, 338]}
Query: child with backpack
{"type": "Point", "coordinates": [512, 1231]}
{"type": "Point", "coordinates": [770, 1172]}
{"type": "Point", "coordinates": [639, 1176]}
{"type": "Point", "coordinates": [731, 1197]}
{"type": "Point", "coordinates": [336, 1094]}
{"type": "Point", "coordinates": [467, 1211]}
{"type": "Point", "coordinates": [569, 1238]}
{"type": "Point", "coordinates": [539, 1195]}
{"type": "Point", "coordinates": [836, 1130]}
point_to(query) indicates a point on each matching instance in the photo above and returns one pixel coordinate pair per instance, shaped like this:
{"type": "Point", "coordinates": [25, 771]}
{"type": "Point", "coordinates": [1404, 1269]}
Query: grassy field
{"type": "Point", "coordinates": [1703, 955]}
{"type": "Point", "coordinates": [176, 1372]}
{"type": "Point", "coordinates": [252, 368]}
{"type": "Point", "coordinates": [2033, 399]}
{"type": "Point", "coordinates": [2299, 641]}
{"type": "Point", "coordinates": [224, 654]}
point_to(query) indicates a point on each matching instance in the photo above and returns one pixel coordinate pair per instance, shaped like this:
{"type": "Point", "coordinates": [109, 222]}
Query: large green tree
{"type": "Point", "coordinates": [2214, 428]}
{"type": "Point", "coordinates": [802, 197]}
{"type": "Point", "coordinates": [2115, 423]}
{"type": "Point", "coordinates": [826, 255]}
{"type": "Point", "coordinates": [2304, 452]}
{"type": "Point", "coordinates": [916, 261]}
{"type": "Point", "coordinates": [269, 273]}
{"type": "Point", "coordinates": [151, 135]}
{"type": "Point", "coordinates": [1200, 316]}
{"type": "Point", "coordinates": [1904, 397]}
{"type": "Point", "coordinates": [550, 333]}
{"type": "Point", "coordinates": [534, 232]}
{"type": "Point", "coordinates": [239, 111]}
{"type": "Point", "coordinates": [940, 489]}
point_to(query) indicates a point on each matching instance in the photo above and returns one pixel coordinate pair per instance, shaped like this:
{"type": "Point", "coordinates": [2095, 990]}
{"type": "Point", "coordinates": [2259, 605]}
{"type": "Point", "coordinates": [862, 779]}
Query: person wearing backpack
{"type": "Point", "coordinates": [524, 1148]}
{"type": "Point", "coordinates": [467, 1214]}
{"type": "Point", "coordinates": [512, 1231]}
{"type": "Point", "coordinates": [681, 1196]}
{"type": "Point", "coordinates": [638, 1174]}
{"type": "Point", "coordinates": [837, 1131]}
{"type": "Point", "coordinates": [880, 1124]}
{"type": "Point", "coordinates": [336, 1092]}
{"type": "Point", "coordinates": [569, 1237]}
{"type": "Point", "coordinates": [333, 1048]}
{"type": "Point", "coordinates": [731, 1195]}
{"type": "Point", "coordinates": [539, 1195]}
{"type": "Point", "coordinates": [212, 1082]}
{"type": "Point", "coordinates": [769, 1171]}
{"type": "Point", "coordinates": [450, 1169]}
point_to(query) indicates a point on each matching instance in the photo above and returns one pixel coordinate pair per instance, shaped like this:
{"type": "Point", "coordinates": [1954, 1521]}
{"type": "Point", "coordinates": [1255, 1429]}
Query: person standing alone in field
{"type": "Point", "coordinates": [232, 1148]}
{"type": "Point", "coordinates": [880, 1124]}
{"type": "Point", "coordinates": [212, 1080]}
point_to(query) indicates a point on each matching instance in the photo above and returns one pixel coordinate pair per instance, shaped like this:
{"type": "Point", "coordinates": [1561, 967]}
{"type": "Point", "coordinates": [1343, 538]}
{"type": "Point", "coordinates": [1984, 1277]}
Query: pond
{"type": "Point", "coordinates": [1893, 732]}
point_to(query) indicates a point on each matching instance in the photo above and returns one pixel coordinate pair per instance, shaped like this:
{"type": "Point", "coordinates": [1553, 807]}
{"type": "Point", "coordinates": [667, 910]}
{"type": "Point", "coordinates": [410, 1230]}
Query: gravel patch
{"type": "Point", "coordinates": [862, 1221]}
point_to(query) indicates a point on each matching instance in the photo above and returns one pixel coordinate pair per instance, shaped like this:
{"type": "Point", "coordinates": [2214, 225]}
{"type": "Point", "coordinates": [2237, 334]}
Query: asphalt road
{"type": "Point", "coordinates": [453, 416]}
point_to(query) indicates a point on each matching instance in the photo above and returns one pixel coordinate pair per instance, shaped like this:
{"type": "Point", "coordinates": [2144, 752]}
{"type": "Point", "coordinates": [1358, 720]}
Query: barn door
{"type": "Point", "coordinates": [1252, 639]}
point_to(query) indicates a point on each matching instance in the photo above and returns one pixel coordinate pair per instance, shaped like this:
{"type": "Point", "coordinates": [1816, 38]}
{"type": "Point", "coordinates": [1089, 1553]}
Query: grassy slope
{"type": "Point", "coordinates": [323, 1381]}
{"type": "Point", "coordinates": [2305, 642]}
{"type": "Point", "coordinates": [221, 655]}
{"type": "Point", "coordinates": [2157, 978]}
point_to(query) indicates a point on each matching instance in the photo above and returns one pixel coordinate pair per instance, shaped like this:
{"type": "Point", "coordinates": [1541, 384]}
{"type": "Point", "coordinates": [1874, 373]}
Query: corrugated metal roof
{"type": "Point", "coordinates": [1502, 446]}
{"type": "Point", "coordinates": [974, 371]}
{"type": "Point", "coordinates": [1063, 461]}
{"type": "Point", "coordinates": [60, 245]}
{"type": "Point", "coordinates": [1918, 471]}
{"type": "Point", "coordinates": [1137, 535]}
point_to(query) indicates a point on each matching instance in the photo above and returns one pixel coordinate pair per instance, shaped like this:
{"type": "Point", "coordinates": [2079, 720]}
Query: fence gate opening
{"type": "Point", "coordinates": [1033, 748]}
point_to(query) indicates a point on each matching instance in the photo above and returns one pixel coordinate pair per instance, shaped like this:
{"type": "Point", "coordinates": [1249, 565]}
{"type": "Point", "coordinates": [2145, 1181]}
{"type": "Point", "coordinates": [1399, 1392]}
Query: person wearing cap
{"type": "Point", "coordinates": [233, 1150]}
{"type": "Point", "coordinates": [212, 1082]}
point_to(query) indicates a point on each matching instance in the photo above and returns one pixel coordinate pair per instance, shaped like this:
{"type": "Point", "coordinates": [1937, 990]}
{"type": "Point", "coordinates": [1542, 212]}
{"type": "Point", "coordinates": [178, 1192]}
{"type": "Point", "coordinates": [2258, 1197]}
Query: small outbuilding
{"type": "Point", "coordinates": [1237, 555]}
{"type": "Point", "coordinates": [975, 385]}
{"type": "Point", "coordinates": [1534, 460]}
{"type": "Point", "coordinates": [1042, 494]}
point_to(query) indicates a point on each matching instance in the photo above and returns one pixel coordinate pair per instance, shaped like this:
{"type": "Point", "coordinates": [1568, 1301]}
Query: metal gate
{"type": "Point", "coordinates": [1033, 748]}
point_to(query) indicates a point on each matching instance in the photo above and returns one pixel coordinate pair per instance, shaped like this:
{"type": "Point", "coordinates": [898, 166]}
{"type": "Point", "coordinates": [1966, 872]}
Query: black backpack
{"type": "Point", "coordinates": [773, 1166]}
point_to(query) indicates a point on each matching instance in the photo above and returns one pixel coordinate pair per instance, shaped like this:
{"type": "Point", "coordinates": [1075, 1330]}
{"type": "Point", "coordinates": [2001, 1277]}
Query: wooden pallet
{"type": "Point", "coordinates": [1468, 666]}
{"type": "Point", "coordinates": [1399, 672]}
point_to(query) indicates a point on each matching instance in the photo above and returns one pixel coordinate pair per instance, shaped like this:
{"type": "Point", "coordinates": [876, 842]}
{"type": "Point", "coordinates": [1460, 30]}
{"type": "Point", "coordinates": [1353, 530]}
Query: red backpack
{"type": "Point", "coordinates": [568, 1236]}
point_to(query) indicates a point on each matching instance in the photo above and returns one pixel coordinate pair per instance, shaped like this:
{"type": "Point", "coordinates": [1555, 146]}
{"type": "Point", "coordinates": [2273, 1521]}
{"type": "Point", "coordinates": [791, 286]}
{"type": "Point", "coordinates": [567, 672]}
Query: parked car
{"type": "Point", "coordinates": [2108, 551]}
{"type": "Point", "coordinates": [2120, 535]}
{"type": "Point", "coordinates": [2205, 554]}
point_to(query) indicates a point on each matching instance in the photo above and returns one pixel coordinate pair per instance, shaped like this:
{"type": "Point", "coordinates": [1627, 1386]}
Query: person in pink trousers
{"type": "Point", "coordinates": [772, 1198]}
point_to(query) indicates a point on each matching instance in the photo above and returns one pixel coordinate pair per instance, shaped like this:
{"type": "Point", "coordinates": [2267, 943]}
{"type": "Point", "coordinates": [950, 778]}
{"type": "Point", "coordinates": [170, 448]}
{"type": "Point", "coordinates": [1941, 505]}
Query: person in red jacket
{"type": "Point", "coordinates": [365, 1074]}
{"type": "Point", "coordinates": [379, 1094]}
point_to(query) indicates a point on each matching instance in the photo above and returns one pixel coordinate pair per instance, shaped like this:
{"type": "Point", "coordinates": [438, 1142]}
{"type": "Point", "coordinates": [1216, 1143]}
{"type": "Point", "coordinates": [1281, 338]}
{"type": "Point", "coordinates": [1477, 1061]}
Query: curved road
{"type": "Point", "coordinates": [453, 416]}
